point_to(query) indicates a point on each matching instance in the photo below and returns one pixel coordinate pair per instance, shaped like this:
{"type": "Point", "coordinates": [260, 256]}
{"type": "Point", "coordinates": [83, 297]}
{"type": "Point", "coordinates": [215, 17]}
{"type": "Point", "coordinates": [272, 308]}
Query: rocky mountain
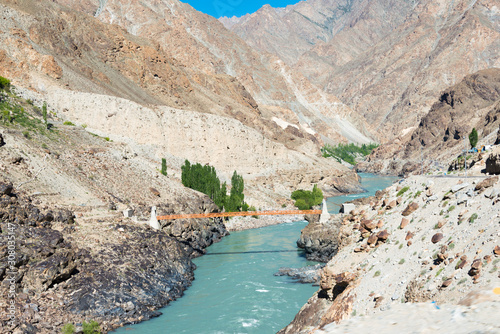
{"type": "Point", "coordinates": [387, 60]}
{"type": "Point", "coordinates": [165, 54]}
{"type": "Point", "coordinates": [185, 91]}
{"type": "Point", "coordinates": [472, 103]}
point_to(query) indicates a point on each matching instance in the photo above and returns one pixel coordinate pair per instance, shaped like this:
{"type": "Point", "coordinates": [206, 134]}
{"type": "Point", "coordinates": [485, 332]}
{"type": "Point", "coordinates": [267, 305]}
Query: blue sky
{"type": "Point", "coordinates": [218, 8]}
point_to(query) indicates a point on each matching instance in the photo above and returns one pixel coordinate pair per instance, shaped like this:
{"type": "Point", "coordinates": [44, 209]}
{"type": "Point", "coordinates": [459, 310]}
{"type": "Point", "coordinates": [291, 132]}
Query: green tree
{"type": "Point", "coordinates": [236, 201]}
{"type": "Point", "coordinates": [473, 138]}
{"type": "Point", "coordinates": [164, 166]}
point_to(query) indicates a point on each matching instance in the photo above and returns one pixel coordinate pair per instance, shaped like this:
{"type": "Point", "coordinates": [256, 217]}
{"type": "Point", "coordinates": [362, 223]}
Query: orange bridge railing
{"type": "Point", "coordinates": [235, 214]}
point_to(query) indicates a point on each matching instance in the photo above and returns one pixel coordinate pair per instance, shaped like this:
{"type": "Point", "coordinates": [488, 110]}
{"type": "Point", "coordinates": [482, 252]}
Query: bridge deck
{"type": "Point", "coordinates": [244, 213]}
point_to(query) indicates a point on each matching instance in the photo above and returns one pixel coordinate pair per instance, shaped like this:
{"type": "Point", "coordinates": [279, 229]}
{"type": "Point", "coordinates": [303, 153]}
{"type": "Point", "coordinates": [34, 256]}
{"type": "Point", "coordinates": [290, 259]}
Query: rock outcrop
{"type": "Point", "coordinates": [113, 273]}
{"type": "Point", "coordinates": [320, 241]}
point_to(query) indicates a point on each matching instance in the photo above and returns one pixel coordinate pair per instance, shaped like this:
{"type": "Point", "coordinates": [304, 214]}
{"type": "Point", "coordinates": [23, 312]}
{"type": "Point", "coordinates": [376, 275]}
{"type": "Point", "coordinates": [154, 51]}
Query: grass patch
{"type": "Point", "coordinates": [462, 281]}
{"type": "Point", "coordinates": [439, 272]}
{"type": "Point", "coordinates": [473, 218]}
{"type": "Point", "coordinates": [377, 273]}
{"type": "Point", "coordinates": [451, 208]}
{"type": "Point", "coordinates": [69, 123]}
{"type": "Point", "coordinates": [417, 194]}
{"type": "Point", "coordinates": [451, 246]}
{"type": "Point", "coordinates": [402, 191]}
{"type": "Point", "coordinates": [400, 246]}
{"type": "Point", "coordinates": [401, 261]}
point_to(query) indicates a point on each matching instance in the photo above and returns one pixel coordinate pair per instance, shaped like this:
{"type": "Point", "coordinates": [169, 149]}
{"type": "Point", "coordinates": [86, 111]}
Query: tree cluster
{"type": "Point", "coordinates": [347, 152]}
{"type": "Point", "coordinates": [204, 179]}
{"type": "Point", "coordinates": [306, 199]}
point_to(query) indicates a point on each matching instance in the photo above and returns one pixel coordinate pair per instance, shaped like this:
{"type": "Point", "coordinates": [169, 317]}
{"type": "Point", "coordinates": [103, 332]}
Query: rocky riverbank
{"type": "Point", "coordinates": [114, 272]}
{"type": "Point", "coordinates": [424, 239]}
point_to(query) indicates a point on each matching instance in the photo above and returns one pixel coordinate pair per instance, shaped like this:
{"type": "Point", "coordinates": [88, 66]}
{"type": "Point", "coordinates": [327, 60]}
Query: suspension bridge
{"type": "Point", "coordinates": [154, 221]}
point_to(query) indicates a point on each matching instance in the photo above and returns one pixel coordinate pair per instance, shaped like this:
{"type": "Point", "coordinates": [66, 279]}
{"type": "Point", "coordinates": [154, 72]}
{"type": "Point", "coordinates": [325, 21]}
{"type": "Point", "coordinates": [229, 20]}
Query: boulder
{"type": "Point", "coordinates": [475, 267]}
{"type": "Point", "coordinates": [437, 238]}
{"type": "Point", "coordinates": [368, 224]}
{"type": "Point", "coordinates": [493, 164]}
{"type": "Point", "coordinates": [5, 188]}
{"type": "Point", "coordinates": [496, 251]}
{"type": "Point", "coordinates": [329, 280]}
{"type": "Point", "coordinates": [447, 283]}
{"type": "Point", "coordinates": [404, 223]}
{"type": "Point", "coordinates": [2, 142]}
{"type": "Point", "coordinates": [392, 204]}
{"type": "Point", "coordinates": [383, 235]}
{"type": "Point", "coordinates": [489, 182]}
{"type": "Point", "coordinates": [409, 235]}
{"type": "Point", "coordinates": [154, 191]}
{"type": "Point", "coordinates": [459, 187]}
{"type": "Point", "coordinates": [410, 209]}
{"type": "Point", "coordinates": [372, 239]}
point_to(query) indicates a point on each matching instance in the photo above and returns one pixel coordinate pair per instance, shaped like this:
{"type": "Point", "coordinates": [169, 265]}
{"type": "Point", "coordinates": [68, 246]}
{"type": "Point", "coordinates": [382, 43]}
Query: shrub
{"type": "Point", "coordinates": [68, 123]}
{"type": "Point", "coordinates": [401, 261]}
{"type": "Point", "coordinates": [91, 328]}
{"type": "Point", "coordinates": [44, 113]}
{"type": "Point", "coordinates": [473, 218]}
{"type": "Point", "coordinates": [68, 329]}
{"type": "Point", "coordinates": [4, 84]}
{"type": "Point", "coordinates": [377, 273]}
{"type": "Point", "coordinates": [164, 166]}
{"type": "Point", "coordinates": [451, 208]}
{"type": "Point", "coordinates": [305, 199]}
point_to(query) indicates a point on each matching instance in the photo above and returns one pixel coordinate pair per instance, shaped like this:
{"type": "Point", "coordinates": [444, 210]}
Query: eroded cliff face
{"type": "Point", "coordinates": [472, 103]}
{"type": "Point", "coordinates": [387, 60]}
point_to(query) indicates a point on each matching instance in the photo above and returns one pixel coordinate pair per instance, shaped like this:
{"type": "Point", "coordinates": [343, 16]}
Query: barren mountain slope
{"type": "Point", "coordinates": [309, 26]}
{"type": "Point", "coordinates": [386, 60]}
{"type": "Point", "coordinates": [472, 103]}
{"type": "Point", "coordinates": [123, 86]}
{"type": "Point", "coordinates": [202, 44]}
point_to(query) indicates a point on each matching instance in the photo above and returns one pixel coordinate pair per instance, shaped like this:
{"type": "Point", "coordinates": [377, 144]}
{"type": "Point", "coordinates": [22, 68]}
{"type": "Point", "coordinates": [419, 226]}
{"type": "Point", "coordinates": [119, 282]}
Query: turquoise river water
{"type": "Point", "coordinates": [235, 290]}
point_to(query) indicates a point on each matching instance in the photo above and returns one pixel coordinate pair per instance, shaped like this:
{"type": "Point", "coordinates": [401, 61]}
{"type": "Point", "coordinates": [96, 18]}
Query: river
{"type": "Point", "coordinates": [235, 290]}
